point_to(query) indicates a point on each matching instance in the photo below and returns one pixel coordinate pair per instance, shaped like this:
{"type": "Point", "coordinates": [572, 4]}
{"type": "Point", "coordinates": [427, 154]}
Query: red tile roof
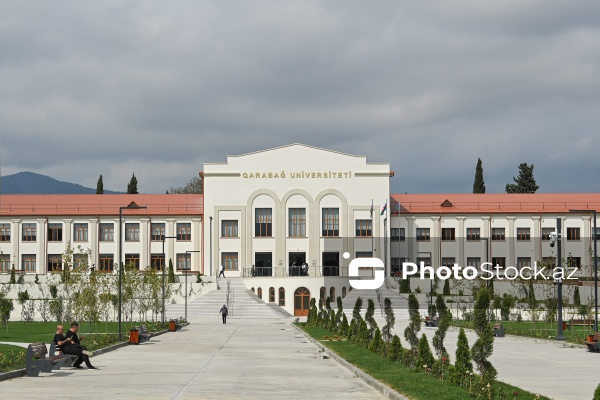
{"type": "Point", "coordinates": [493, 203]}
{"type": "Point", "coordinates": [100, 204]}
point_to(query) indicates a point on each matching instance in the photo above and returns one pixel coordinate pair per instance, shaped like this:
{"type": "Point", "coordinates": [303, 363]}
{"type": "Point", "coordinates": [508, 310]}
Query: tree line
{"type": "Point", "coordinates": [523, 183]}
{"type": "Point", "coordinates": [194, 186]}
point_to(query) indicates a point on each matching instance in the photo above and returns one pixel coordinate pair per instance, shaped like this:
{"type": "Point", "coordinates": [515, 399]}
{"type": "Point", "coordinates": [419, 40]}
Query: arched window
{"type": "Point", "coordinates": [332, 294]}
{"type": "Point", "coordinates": [282, 297]}
{"type": "Point", "coordinates": [259, 293]}
{"type": "Point", "coordinates": [272, 295]}
{"type": "Point", "coordinates": [322, 293]}
{"type": "Point", "coordinates": [344, 292]}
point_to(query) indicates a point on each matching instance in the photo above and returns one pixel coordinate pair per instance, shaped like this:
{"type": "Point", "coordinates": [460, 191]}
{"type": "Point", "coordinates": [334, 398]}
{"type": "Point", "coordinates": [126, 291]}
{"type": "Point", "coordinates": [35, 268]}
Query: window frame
{"type": "Point", "coordinates": [29, 232]}
{"type": "Point", "coordinates": [80, 229]}
{"type": "Point", "coordinates": [263, 222]}
{"type": "Point", "coordinates": [523, 234]}
{"type": "Point", "coordinates": [184, 232]}
{"type": "Point", "coordinates": [103, 261]}
{"type": "Point", "coordinates": [573, 234]}
{"type": "Point", "coordinates": [230, 226]}
{"type": "Point", "coordinates": [452, 235]}
{"type": "Point", "coordinates": [499, 234]}
{"type": "Point", "coordinates": [473, 234]}
{"type": "Point", "coordinates": [229, 259]}
{"type": "Point", "coordinates": [330, 222]}
{"type": "Point", "coordinates": [183, 262]}
{"type": "Point", "coordinates": [54, 260]}
{"type": "Point", "coordinates": [133, 257]}
{"type": "Point", "coordinates": [107, 232]}
{"type": "Point", "coordinates": [132, 227]}
{"type": "Point", "coordinates": [297, 222]}
{"type": "Point", "coordinates": [159, 227]}
{"type": "Point", "coordinates": [363, 228]}
{"type": "Point", "coordinates": [5, 232]}
{"type": "Point", "coordinates": [29, 262]}
{"type": "Point", "coordinates": [55, 232]}
{"type": "Point", "coordinates": [423, 234]}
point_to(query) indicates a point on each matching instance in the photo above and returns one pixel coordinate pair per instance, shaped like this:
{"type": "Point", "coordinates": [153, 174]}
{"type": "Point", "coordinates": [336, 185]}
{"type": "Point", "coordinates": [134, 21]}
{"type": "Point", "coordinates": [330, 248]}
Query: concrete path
{"type": "Point", "coordinates": [245, 359]}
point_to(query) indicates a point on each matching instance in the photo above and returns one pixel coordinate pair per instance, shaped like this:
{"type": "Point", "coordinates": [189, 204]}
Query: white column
{"type": "Point", "coordinates": [461, 241]}
{"type": "Point", "coordinates": [93, 237]}
{"type": "Point", "coordinates": [145, 239]}
{"type": "Point", "coordinates": [67, 229]}
{"type": "Point", "coordinates": [511, 241]}
{"type": "Point", "coordinates": [40, 260]}
{"type": "Point", "coordinates": [15, 235]}
{"type": "Point", "coordinates": [197, 244]}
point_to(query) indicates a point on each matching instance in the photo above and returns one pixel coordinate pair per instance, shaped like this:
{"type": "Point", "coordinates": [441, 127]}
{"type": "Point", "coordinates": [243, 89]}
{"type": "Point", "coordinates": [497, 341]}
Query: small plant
{"type": "Point", "coordinates": [37, 279]}
{"type": "Point", "coordinates": [597, 393]}
{"type": "Point", "coordinates": [199, 278]}
{"type": "Point", "coordinates": [424, 354]}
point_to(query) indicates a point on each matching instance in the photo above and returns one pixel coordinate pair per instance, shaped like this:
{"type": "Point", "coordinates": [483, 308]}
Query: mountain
{"type": "Point", "coordinates": [32, 183]}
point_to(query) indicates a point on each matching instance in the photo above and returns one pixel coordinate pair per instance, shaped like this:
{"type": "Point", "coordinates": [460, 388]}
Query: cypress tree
{"type": "Point", "coordinates": [395, 352]}
{"type": "Point", "coordinates": [525, 182]}
{"type": "Point", "coordinates": [390, 321]}
{"type": "Point", "coordinates": [356, 315]}
{"type": "Point", "coordinates": [440, 333]}
{"type": "Point", "coordinates": [344, 326]}
{"type": "Point", "coordinates": [377, 343]}
{"type": "Point", "coordinates": [171, 272]}
{"type": "Point", "coordinates": [340, 310]}
{"type": "Point", "coordinates": [100, 186]}
{"type": "Point", "coordinates": [351, 330]}
{"type": "Point", "coordinates": [405, 285]}
{"type": "Point", "coordinates": [424, 356]}
{"type": "Point", "coordinates": [446, 290]}
{"type": "Point", "coordinates": [576, 297]}
{"type": "Point", "coordinates": [479, 184]}
{"type": "Point", "coordinates": [363, 334]}
{"type": "Point", "coordinates": [463, 362]}
{"type": "Point", "coordinates": [369, 317]}
{"type": "Point", "coordinates": [132, 186]}
{"type": "Point", "coordinates": [414, 326]}
{"type": "Point", "coordinates": [484, 345]}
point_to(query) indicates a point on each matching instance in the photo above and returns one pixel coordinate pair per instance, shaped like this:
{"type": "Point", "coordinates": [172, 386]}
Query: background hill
{"type": "Point", "coordinates": [32, 183]}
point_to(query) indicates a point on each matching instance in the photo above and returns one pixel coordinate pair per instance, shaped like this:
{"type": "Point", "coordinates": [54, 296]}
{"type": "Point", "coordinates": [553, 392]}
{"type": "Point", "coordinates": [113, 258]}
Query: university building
{"type": "Point", "coordinates": [285, 217]}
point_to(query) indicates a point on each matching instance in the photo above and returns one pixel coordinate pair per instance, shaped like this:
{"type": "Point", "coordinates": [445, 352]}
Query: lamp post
{"type": "Point", "coordinates": [186, 274]}
{"type": "Point", "coordinates": [559, 327]}
{"type": "Point", "coordinates": [163, 275]}
{"type": "Point", "coordinates": [595, 236]}
{"type": "Point", "coordinates": [210, 245]}
{"type": "Point", "coordinates": [131, 206]}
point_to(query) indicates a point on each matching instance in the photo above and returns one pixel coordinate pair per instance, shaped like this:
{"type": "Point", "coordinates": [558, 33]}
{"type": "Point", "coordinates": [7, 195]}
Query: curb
{"type": "Point", "coordinates": [17, 373]}
{"type": "Point", "coordinates": [368, 379]}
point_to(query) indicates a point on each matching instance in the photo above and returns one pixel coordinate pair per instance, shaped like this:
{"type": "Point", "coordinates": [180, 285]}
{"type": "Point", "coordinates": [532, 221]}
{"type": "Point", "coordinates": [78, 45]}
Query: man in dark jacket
{"type": "Point", "coordinates": [73, 346]}
{"type": "Point", "coordinates": [224, 311]}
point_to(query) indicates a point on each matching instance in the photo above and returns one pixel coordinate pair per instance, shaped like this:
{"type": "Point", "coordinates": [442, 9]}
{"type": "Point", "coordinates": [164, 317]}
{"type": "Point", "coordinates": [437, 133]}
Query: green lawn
{"type": "Point", "coordinates": [11, 357]}
{"type": "Point", "coordinates": [405, 380]}
{"type": "Point", "coordinates": [539, 330]}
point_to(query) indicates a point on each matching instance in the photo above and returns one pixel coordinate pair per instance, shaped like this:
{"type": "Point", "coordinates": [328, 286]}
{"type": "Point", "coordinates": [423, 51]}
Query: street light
{"type": "Point", "coordinates": [210, 245]}
{"type": "Point", "coordinates": [595, 233]}
{"type": "Point", "coordinates": [186, 274]}
{"type": "Point", "coordinates": [556, 239]}
{"type": "Point", "coordinates": [131, 206]}
{"type": "Point", "coordinates": [163, 275]}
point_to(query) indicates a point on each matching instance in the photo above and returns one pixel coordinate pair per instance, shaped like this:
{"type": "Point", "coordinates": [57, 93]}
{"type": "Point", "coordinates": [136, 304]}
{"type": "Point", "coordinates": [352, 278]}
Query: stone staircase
{"type": "Point", "coordinates": [243, 304]}
{"type": "Point", "coordinates": [399, 302]}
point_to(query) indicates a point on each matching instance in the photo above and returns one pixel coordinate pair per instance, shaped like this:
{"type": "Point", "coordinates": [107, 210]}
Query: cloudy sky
{"type": "Point", "coordinates": [159, 87]}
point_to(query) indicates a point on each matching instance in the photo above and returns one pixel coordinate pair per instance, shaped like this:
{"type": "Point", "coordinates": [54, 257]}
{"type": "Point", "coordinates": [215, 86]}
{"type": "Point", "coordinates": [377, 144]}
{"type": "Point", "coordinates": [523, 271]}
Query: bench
{"type": "Point", "coordinates": [498, 330]}
{"type": "Point", "coordinates": [68, 359]}
{"type": "Point", "coordinates": [434, 323]}
{"type": "Point", "coordinates": [594, 344]}
{"type": "Point", "coordinates": [582, 322]}
{"type": "Point", "coordinates": [37, 359]}
{"type": "Point", "coordinates": [144, 336]}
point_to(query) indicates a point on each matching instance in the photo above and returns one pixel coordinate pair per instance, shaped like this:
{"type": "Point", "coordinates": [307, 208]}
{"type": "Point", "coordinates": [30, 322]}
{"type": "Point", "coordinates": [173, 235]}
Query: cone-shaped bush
{"type": "Point", "coordinates": [463, 363]}
{"type": "Point", "coordinates": [332, 321]}
{"type": "Point", "coordinates": [424, 356]}
{"type": "Point", "coordinates": [351, 329]}
{"type": "Point", "coordinates": [344, 326]}
{"type": "Point", "coordinates": [363, 334]}
{"type": "Point", "coordinates": [377, 343]}
{"type": "Point", "coordinates": [597, 393]}
{"type": "Point", "coordinates": [395, 352]}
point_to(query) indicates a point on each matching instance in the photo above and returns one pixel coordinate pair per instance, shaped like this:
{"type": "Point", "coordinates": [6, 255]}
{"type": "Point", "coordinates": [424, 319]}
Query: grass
{"type": "Point", "coordinates": [405, 380]}
{"type": "Point", "coordinates": [11, 357]}
{"type": "Point", "coordinates": [538, 330]}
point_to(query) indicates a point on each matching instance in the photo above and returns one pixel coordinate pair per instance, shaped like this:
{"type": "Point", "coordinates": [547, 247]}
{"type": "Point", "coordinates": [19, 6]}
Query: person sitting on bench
{"type": "Point", "coordinates": [73, 346]}
{"type": "Point", "coordinates": [59, 338]}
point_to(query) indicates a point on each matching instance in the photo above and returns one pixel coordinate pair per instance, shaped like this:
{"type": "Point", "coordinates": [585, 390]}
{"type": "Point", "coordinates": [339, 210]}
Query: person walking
{"type": "Point", "coordinates": [222, 273]}
{"type": "Point", "coordinates": [224, 312]}
{"type": "Point", "coordinates": [253, 271]}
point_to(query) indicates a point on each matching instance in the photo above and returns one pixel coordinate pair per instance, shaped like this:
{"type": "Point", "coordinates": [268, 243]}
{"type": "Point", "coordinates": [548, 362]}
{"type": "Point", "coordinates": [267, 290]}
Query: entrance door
{"type": "Point", "coordinates": [297, 261]}
{"type": "Point", "coordinates": [301, 302]}
{"type": "Point", "coordinates": [331, 263]}
{"type": "Point", "coordinates": [263, 264]}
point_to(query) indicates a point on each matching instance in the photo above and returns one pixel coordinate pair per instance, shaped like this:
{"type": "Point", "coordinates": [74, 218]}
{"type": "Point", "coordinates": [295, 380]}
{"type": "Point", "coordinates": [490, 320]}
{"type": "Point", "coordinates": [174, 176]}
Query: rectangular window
{"type": "Point", "coordinates": [54, 262]}
{"type": "Point", "coordinates": [473, 234]}
{"type": "Point", "coordinates": [523, 262]}
{"type": "Point", "coordinates": [395, 263]}
{"type": "Point", "coordinates": [80, 260]}
{"type": "Point", "coordinates": [594, 235]}
{"type": "Point", "coordinates": [28, 262]}
{"type": "Point", "coordinates": [448, 234]}
{"type": "Point", "coordinates": [331, 222]}
{"type": "Point", "coordinates": [474, 262]}
{"type": "Point", "coordinates": [107, 232]}
{"type": "Point", "coordinates": [423, 235]}
{"type": "Point", "coordinates": [425, 260]}
{"type": "Point", "coordinates": [157, 231]}
{"type": "Point", "coordinates": [546, 233]}
{"type": "Point", "coordinates": [397, 234]}
{"type": "Point", "coordinates": [184, 261]}
{"type": "Point", "coordinates": [574, 262]}
{"type": "Point", "coordinates": [80, 232]}
{"type": "Point", "coordinates": [498, 234]}
{"type": "Point", "coordinates": [523, 234]}
{"type": "Point", "coordinates": [184, 231]}
{"type": "Point", "coordinates": [229, 228]}
{"type": "Point", "coordinates": [107, 262]}
{"type": "Point", "coordinates": [363, 227]}
{"type": "Point", "coordinates": [29, 232]}
{"type": "Point", "coordinates": [549, 262]}
{"type": "Point", "coordinates": [55, 232]}
{"type": "Point", "coordinates": [157, 261]}
{"type": "Point", "coordinates": [132, 232]}
{"type": "Point", "coordinates": [297, 221]}
{"type": "Point", "coordinates": [4, 232]}
{"type": "Point", "coordinates": [5, 263]}
{"type": "Point", "coordinates": [499, 262]}
{"type": "Point", "coordinates": [229, 260]}
{"type": "Point", "coordinates": [263, 221]}
{"type": "Point", "coordinates": [132, 260]}
{"type": "Point", "coordinates": [448, 261]}
{"type": "Point", "coordinates": [573, 234]}
{"type": "Point", "coordinates": [364, 254]}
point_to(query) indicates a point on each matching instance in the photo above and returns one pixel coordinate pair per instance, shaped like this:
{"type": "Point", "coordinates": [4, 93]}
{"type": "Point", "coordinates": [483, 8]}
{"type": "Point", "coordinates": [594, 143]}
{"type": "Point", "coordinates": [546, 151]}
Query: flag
{"type": "Point", "coordinates": [384, 208]}
{"type": "Point", "coordinates": [397, 208]}
{"type": "Point", "coordinates": [371, 208]}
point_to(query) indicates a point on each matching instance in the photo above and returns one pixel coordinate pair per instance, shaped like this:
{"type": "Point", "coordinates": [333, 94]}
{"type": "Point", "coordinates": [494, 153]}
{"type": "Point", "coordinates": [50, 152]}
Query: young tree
{"type": "Point", "coordinates": [171, 272]}
{"type": "Point", "coordinates": [525, 182]}
{"type": "Point", "coordinates": [377, 344]}
{"type": "Point", "coordinates": [132, 186]}
{"type": "Point", "coordinates": [424, 356]}
{"type": "Point", "coordinates": [356, 315]}
{"type": "Point", "coordinates": [6, 307]}
{"type": "Point", "coordinates": [344, 326]}
{"type": "Point", "coordinates": [100, 186]}
{"type": "Point", "coordinates": [194, 186]}
{"type": "Point", "coordinates": [414, 325]}
{"type": "Point", "coordinates": [340, 310]}
{"type": "Point", "coordinates": [351, 330]}
{"type": "Point", "coordinates": [363, 335]}
{"type": "Point", "coordinates": [479, 184]}
{"type": "Point", "coordinates": [444, 323]}
{"type": "Point", "coordinates": [576, 297]}
{"type": "Point", "coordinates": [405, 285]}
{"type": "Point", "coordinates": [463, 362]}
{"type": "Point", "coordinates": [484, 345]}
{"type": "Point", "coordinates": [390, 321]}
{"type": "Point", "coordinates": [446, 289]}
{"type": "Point", "coordinates": [369, 317]}
{"type": "Point", "coordinates": [395, 352]}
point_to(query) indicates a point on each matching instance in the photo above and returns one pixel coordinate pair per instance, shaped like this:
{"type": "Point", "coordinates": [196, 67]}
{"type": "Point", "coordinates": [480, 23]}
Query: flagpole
{"type": "Point", "coordinates": [385, 242]}
{"type": "Point", "coordinates": [372, 247]}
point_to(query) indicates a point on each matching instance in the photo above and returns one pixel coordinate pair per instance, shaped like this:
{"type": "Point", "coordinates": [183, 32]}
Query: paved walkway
{"type": "Point", "coordinates": [245, 359]}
